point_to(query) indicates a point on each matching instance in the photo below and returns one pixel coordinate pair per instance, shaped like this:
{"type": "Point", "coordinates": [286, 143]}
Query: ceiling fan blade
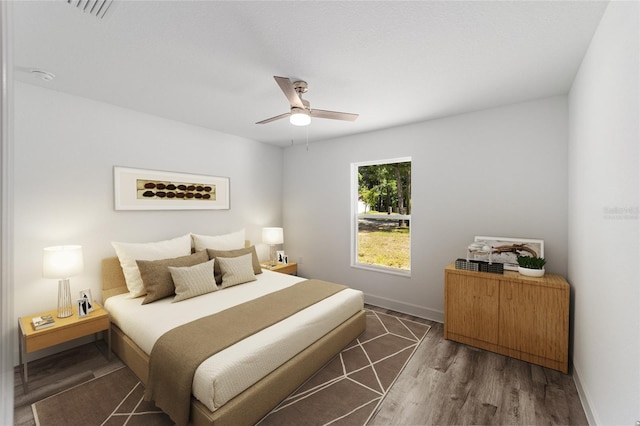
{"type": "Point", "coordinates": [277, 117]}
{"type": "Point", "coordinates": [291, 94]}
{"type": "Point", "coordinates": [334, 115]}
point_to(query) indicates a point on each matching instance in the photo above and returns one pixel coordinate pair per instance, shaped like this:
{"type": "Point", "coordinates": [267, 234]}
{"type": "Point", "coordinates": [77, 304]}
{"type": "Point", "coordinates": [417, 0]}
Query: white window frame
{"type": "Point", "coordinates": [355, 216]}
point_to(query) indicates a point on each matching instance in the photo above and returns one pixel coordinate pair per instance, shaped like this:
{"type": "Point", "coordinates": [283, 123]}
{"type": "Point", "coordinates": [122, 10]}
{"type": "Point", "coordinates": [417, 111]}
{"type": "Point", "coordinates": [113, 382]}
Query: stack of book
{"type": "Point", "coordinates": [44, 321]}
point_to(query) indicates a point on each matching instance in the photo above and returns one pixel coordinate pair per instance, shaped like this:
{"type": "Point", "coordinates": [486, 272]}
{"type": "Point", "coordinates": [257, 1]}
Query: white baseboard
{"type": "Point", "coordinates": [405, 308]}
{"type": "Point", "coordinates": [584, 397]}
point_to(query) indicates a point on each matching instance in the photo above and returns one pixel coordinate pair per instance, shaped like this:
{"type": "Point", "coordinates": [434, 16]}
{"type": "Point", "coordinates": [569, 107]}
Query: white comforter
{"type": "Point", "coordinates": [231, 371]}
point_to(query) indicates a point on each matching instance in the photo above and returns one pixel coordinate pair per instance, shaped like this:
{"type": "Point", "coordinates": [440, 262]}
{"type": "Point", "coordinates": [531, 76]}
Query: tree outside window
{"type": "Point", "coordinates": [383, 214]}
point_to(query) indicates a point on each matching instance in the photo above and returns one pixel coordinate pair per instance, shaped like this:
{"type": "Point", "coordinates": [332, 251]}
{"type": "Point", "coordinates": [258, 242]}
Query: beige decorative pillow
{"type": "Point", "coordinates": [230, 241]}
{"type": "Point", "coordinates": [157, 278]}
{"type": "Point", "coordinates": [215, 254]}
{"type": "Point", "coordinates": [192, 281]}
{"type": "Point", "coordinates": [128, 253]}
{"type": "Point", "coordinates": [236, 270]}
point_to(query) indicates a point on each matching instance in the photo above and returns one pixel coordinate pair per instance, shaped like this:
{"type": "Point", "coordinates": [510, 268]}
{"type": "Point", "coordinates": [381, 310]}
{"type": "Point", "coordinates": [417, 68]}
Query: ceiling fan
{"type": "Point", "coordinates": [301, 112]}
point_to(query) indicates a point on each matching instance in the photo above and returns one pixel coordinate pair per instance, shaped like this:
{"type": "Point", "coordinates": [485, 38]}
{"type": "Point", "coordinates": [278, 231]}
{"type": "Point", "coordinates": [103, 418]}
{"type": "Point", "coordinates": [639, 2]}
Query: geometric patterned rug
{"type": "Point", "coordinates": [349, 389]}
{"type": "Point", "coordinates": [113, 399]}
{"type": "Point", "coordinates": [346, 391]}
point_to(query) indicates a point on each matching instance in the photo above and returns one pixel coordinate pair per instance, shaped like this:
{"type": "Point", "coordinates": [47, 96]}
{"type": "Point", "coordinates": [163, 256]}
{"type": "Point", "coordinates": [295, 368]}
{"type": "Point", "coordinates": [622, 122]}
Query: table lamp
{"type": "Point", "coordinates": [272, 236]}
{"type": "Point", "coordinates": [62, 262]}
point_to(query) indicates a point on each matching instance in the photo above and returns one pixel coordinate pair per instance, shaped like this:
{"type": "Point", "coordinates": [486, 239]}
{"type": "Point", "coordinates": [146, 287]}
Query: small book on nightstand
{"type": "Point", "coordinates": [44, 321]}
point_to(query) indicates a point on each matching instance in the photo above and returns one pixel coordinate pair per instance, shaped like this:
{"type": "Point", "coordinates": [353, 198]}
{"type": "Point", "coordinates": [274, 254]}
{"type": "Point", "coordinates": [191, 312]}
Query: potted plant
{"type": "Point", "coordinates": [531, 266]}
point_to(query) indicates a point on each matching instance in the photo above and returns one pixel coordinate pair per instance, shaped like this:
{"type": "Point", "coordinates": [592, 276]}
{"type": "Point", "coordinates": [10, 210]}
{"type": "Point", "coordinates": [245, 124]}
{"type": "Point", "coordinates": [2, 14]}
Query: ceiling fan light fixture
{"type": "Point", "coordinates": [299, 117]}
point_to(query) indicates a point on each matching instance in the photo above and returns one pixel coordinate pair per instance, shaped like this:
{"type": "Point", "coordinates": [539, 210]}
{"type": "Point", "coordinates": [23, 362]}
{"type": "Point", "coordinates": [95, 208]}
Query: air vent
{"type": "Point", "coordinates": [97, 8]}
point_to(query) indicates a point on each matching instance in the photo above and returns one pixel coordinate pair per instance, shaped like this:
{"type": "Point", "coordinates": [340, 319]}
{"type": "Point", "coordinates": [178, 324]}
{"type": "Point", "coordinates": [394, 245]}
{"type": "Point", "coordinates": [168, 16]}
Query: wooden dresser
{"type": "Point", "coordinates": [511, 314]}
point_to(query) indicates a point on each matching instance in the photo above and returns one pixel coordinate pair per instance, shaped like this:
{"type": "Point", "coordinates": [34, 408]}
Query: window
{"type": "Point", "coordinates": [381, 195]}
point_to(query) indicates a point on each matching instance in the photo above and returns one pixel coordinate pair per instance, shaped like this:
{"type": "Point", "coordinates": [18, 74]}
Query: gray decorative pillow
{"type": "Point", "coordinates": [216, 254]}
{"type": "Point", "coordinates": [157, 278]}
{"type": "Point", "coordinates": [193, 281]}
{"type": "Point", "coordinates": [236, 270]}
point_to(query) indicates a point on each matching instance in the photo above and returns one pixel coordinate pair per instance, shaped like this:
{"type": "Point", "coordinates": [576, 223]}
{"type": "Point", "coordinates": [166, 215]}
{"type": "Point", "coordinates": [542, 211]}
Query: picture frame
{"type": "Point", "coordinates": [83, 309]}
{"type": "Point", "coordinates": [86, 295]}
{"type": "Point", "coordinates": [505, 250]}
{"type": "Point", "coordinates": [280, 256]}
{"type": "Point", "coordinates": [285, 259]}
{"type": "Point", "coordinates": [141, 189]}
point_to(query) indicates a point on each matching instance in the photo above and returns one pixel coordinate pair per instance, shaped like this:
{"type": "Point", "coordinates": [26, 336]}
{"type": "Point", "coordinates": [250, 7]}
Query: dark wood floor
{"type": "Point", "coordinates": [445, 383]}
{"type": "Point", "coordinates": [55, 373]}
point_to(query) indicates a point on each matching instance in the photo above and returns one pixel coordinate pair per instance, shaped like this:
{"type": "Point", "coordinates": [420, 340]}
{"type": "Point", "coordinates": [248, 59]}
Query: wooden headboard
{"type": "Point", "coordinates": [113, 282]}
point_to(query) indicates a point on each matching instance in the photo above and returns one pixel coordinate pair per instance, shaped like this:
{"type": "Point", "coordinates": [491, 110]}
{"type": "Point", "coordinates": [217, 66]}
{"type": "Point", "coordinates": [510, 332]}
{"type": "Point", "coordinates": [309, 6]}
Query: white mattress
{"type": "Point", "coordinates": [229, 372]}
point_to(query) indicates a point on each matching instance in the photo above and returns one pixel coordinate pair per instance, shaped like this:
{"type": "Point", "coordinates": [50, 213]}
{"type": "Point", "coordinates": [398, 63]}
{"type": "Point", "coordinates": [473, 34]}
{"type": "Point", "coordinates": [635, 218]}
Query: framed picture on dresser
{"type": "Point", "coordinates": [505, 250]}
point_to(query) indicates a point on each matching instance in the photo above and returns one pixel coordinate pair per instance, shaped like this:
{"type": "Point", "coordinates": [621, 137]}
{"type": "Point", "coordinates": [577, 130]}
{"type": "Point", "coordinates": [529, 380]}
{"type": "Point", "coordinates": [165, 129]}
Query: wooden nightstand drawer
{"type": "Point", "coordinates": [61, 333]}
{"type": "Point", "coordinates": [290, 268]}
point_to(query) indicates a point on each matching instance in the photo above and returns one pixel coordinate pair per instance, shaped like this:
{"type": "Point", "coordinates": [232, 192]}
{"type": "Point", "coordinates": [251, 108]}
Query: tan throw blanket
{"type": "Point", "coordinates": [177, 354]}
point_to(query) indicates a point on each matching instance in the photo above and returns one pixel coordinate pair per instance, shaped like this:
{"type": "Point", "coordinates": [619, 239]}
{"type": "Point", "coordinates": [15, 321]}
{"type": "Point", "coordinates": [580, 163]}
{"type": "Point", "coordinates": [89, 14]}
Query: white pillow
{"type": "Point", "coordinates": [192, 281]}
{"type": "Point", "coordinates": [231, 241]}
{"type": "Point", "coordinates": [128, 253]}
{"type": "Point", "coordinates": [236, 270]}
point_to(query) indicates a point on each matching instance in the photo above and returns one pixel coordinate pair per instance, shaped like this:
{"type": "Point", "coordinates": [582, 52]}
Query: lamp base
{"type": "Point", "coordinates": [272, 256]}
{"type": "Point", "coordinates": [65, 308]}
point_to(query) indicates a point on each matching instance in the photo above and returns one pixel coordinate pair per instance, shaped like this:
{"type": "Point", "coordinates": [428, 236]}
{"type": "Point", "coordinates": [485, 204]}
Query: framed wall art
{"type": "Point", "coordinates": [140, 189]}
{"type": "Point", "coordinates": [506, 250]}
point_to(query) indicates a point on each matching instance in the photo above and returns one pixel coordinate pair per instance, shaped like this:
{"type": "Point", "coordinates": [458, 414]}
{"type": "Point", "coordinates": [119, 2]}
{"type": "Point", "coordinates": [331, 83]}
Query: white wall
{"type": "Point", "coordinates": [499, 172]}
{"type": "Point", "coordinates": [7, 318]}
{"type": "Point", "coordinates": [65, 150]}
{"type": "Point", "coordinates": [603, 219]}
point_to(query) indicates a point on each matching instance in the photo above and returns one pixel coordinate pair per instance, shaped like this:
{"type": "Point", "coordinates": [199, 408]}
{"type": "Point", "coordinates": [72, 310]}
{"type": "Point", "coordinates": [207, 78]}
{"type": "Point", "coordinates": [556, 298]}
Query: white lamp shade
{"type": "Point", "coordinates": [299, 117]}
{"type": "Point", "coordinates": [62, 261]}
{"type": "Point", "coordinates": [272, 236]}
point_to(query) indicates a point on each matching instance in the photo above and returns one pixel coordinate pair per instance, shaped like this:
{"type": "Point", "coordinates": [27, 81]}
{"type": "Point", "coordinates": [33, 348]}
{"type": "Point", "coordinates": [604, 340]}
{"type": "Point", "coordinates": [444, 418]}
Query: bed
{"type": "Point", "coordinates": [251, 399]}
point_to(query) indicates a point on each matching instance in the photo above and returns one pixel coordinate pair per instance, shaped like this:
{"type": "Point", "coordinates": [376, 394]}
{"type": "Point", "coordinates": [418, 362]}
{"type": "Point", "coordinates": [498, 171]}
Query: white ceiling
{"type": "Point", "coordinates": [211, 63]}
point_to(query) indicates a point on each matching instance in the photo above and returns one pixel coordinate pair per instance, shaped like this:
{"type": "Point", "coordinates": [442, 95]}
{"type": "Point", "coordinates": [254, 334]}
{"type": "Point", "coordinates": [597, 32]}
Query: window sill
{"type": "Point", "coordinates": [383, 269]}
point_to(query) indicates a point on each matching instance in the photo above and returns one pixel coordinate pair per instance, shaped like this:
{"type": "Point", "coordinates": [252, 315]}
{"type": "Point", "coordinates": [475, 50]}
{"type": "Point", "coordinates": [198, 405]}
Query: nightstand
{"type": "Point", "coordinates": [64, 329]}
{"type": "Point", "coordinates": [290, 268]}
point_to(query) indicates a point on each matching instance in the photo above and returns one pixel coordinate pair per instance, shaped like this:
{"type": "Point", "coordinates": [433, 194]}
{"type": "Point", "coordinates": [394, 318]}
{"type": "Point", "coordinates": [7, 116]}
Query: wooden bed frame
{"type": "Point", "coordinates": [250, 406]}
